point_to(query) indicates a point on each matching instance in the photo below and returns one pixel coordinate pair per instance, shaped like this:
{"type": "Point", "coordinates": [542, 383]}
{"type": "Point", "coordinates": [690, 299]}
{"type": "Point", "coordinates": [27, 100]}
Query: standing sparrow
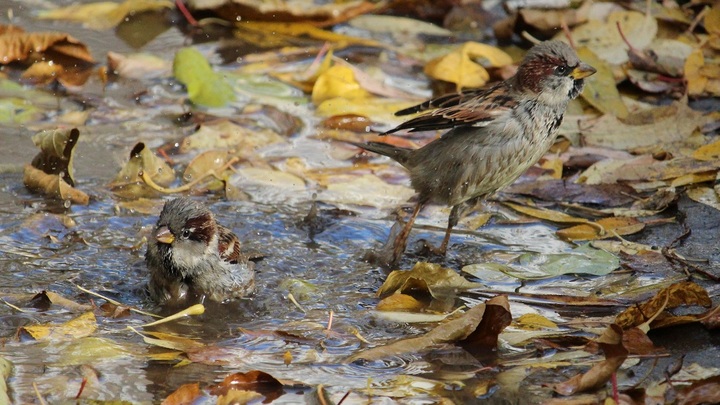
{"type": "Point", "coordinates": [191, 256]}
{"type": "Point", "coordinates": [494, 134]}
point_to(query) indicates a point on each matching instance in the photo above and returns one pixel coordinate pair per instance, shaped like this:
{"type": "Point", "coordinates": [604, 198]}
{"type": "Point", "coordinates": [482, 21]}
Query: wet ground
{"type": "Point", "coordinates": [325, 273]}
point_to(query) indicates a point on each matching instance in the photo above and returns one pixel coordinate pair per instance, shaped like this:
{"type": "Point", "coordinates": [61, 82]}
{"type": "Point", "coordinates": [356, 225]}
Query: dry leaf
{"type": "Point", "coordinates": [460, 68]}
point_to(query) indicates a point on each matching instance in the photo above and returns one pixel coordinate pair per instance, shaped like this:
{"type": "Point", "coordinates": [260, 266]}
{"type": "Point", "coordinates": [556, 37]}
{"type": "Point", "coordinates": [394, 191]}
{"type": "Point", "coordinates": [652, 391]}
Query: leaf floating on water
{"type": "Point", "coordinates": [129, 183]}
{"type": "Point", "coordinates": [83, 325]}
{"type": "Point", "coordinates": [51, 171]}
{"type": "Point", "coordinates": [205, 87]}
{"type": "Point", "coordinates": [612, 227]}
{"type": "Point", "coordinates": [56, 152]}
{"type": "Point", "coordinates": [105, 14]}
{"type": "Point", "coordinates": [679, 294]}
{"type": "Point", "coordinates": [468, 329]}
{"type": "Point", "coordinates": [537, 266]}
{"type": "Point", "coordinates": [432, 278]}
{"type": "Point", "coordinates": [185, 394]}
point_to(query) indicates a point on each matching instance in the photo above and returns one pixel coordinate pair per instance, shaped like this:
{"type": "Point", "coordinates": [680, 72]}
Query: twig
{"type": "Point", "coordinates": [112, 301]}
{"type": "Point", "coordinates": [181, 7]}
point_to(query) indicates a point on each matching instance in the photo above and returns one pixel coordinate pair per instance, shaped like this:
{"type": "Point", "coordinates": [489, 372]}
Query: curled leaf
{"type": "Point", "coordinates": [129, 182]}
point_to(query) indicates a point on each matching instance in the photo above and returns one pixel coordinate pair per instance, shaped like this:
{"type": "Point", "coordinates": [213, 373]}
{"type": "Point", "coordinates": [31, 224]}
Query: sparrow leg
{"type": "Point", "coordinates": [452, 221]}
{"type": "Point", "coordinates": [402, 238]}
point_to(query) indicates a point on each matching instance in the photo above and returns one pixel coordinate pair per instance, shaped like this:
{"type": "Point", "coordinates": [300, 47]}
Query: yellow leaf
{"type": "Point", "coordinates": [712, 20]}
{"type": "Point", "coordinates": [380, 109]}
{"type": "Point", "coordinates": [693, 178]}
{"type": "Point", "coordinates": [600, 90]}
{"type": "Point", "coordinates": [696, 81]}
{"type": "Point", "coordinates": [459, 67]}
{"type": "Point", "coordinates": [546, 214]}
{"type": "Point", "coordinates": [105, 14]}
{"type": "Point", "coordinates": [705, 196]}
{"type": "Point", "coordinates": [338, 81]}
{"type": "Point", "coordinates": [83, 325]}
{"type": "Point", "coordinates": [287, 358]}
{"type": "Point", "coordinates": [611, 226]}
{"type": "Point", "coordinates": [708, 152]}
{"type": "Point", "coordinates": [399, 302]}
{"type": "Point", "coordinates": [534, 322]}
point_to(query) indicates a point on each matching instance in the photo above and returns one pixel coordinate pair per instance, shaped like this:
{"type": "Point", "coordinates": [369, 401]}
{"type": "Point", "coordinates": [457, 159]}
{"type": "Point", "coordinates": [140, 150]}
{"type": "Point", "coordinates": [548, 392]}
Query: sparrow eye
{"type": "Point", "coordinates": [563, 70]}
{"type": "Point", "coordinates": [186, 233]}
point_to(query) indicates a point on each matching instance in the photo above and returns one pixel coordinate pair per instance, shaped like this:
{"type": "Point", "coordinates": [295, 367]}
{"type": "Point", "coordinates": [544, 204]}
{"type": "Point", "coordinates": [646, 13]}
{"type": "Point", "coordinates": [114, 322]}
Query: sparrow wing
{"type": "Point", "coordinates": [229, 245]}
{"type": "Point", "coordinates": [474, 107]}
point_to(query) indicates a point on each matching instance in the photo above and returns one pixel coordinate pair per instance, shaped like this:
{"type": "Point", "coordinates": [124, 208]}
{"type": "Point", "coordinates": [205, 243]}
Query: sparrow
{"type": "Point", "coordinates": [494, 134]}
{"type": "Point", "coordinates": [192, 257]}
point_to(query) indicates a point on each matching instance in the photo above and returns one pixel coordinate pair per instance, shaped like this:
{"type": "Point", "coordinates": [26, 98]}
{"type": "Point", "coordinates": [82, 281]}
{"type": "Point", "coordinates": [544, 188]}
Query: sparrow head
{"type": "Point", "coordinates": [553, 71]}
{"type": "Point", "coordinates": [184, 233]}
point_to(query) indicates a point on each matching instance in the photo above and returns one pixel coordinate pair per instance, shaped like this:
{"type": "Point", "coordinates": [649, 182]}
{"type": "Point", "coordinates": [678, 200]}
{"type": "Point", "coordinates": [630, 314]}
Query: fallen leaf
{"type": "Point", "coordinates": [604, 39]}
{"type": "Point", "coordinates": [684, 293]}
{"type": "Point", "coordinates": [612, 227]}
{"type": "Point", "coordinates": [433, 278]}
{"type": "Point", "coordinates": [83, 325]}
{"type": "Point", "coordinates": [185, 394]}
{"type": "Point", "coordinates": [399, 302]}
{"type": "Point", "coordinates": [460, 68]}
{"type": "Point", "coordinates": [337, 82]}
{"type": "Point", "coordinates": [205, 87]}
{"type": "Point", "coordinates": [448, 332]}
{"type": "Point", "coordinates": [706, 391]}
{"type": "Point", "coordinates": [53, 186]}
{"type": "Point", "coordinates": [105, 14]}
{"type": "Point", "coordinates": [138, 65]}
{"type": "Point", "coordinates": [600, 89]}
{"type": "Point", "coordinates": [367, 190]}
{"type": "Point", "coordinates": [129, 182]}
{"type": "Point", "coordinates": [675, 125]}
{"type": "Point", "coordinates": [226, 134]}
{"type": "Point", "coordinates": [705, 195]}
{"type": "Point", "coordinates": [599, 374]}
{"type": "Point", "coordinates": [496, 318]}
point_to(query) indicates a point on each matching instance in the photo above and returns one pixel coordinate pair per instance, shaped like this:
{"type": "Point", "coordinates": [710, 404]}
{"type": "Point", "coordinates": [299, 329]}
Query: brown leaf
{"type": "Point", "coordinates": [186, 394]}
{"type": "Point", "coordinates": [56, 152]}
{"type": "Point", "coordinates": [685, 293]}
{"type": "Point", "coordinates": [451, 331]}
{"type": "Point", "coordinates": [607, 195]}
{"type": "Point", "coordinates": [485, 337]}
{"type": "Point", "coordinates": [469, 330]}
{"type": "Point", "coordinates": [52, 186]}
{"type": "Point", "coordinates": [253, 380]}
{"type": "Point", "coordinates": [706, 391]}
{"type": "Point", "coordinates": [599, 374]}
{"type": "Point", "coordinates": [49, 46]}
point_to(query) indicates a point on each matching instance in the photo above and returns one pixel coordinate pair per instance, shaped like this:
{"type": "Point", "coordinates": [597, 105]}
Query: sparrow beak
{"type": "Point", "coordinates": [164, 235]}
{"type": "Point", "coordinates": [582, 70]}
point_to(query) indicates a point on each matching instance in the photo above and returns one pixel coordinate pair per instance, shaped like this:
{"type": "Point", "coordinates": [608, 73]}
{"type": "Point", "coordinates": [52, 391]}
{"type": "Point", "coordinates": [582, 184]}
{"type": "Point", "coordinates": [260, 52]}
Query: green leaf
{"type": "Point", "coordinates": [536, 266]}
{"type": "Point", "coordinates": [205, 86]}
